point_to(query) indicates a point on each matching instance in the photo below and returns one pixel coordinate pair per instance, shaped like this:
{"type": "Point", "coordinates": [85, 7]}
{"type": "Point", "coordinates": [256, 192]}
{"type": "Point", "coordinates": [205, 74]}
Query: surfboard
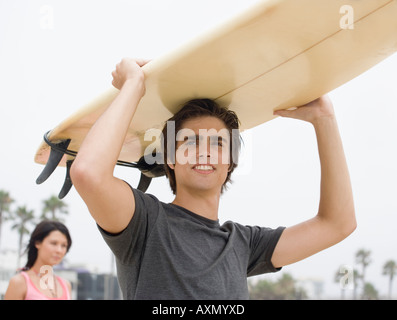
{"type": "Point", "coordinates": [276, 55]}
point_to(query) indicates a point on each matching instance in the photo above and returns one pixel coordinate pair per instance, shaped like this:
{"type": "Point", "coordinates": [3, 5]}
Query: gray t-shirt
{"type": "Point", "coordinates": [168, 252]}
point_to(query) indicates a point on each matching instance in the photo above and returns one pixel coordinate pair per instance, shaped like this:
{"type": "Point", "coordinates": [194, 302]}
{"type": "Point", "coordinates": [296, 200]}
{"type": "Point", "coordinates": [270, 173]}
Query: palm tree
{"type": "Point", "coordinates": [262, 290]}
{"type": "Point", "coordinates": [347, 279]}
{"type": "Point", "coordinates": [22, 217]}
{"type": "Point", "coordinates": [337, 278]}
{"type": "Point", "coordinates": [53, 205]}
{"type": "Point", "coordinates": [369, 292]}
{"type": "Point", "coordinates": [342, 277]}
{"type": "Point", "coordinates": [390, 269]}
{"type": "Point", "coordinates": [355, 282]}
{"type": "Point", "coordinates": [286, 287]}
{"type": "Point", "coordinates": [362, 257]}
{"type": "Point", "coordinates": [5, 202]}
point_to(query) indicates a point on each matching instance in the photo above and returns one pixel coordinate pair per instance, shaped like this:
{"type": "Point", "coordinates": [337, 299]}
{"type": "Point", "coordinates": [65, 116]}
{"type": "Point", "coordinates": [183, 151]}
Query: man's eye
{"type": "Point", "coordinates": [219, 143]}
{"type": "Point", "coordinates": [191, 142]}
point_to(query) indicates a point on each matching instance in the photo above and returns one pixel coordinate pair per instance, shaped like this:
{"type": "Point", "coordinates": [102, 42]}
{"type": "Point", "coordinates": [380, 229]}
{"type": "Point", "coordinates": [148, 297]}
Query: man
{"type": "Point", "coordinates": [179, 250]}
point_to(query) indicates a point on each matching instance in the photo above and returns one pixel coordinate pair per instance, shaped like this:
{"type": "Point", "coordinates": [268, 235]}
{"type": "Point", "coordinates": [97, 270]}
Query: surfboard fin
{"type": "Point", "coordinates": [58, 150]}
{"type": "Point", "coordinates": [67, 185]}
{"type": "Point", "coordinates": [53, 160]}
{"type": "Point", "coordinates": [148, 172]}
{"type": "Point", "coordinates": [144, 182]}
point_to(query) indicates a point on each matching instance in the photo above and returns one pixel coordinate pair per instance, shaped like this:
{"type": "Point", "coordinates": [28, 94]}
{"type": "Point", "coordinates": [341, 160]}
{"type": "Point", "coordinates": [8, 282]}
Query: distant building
{"type": "Point", "coordinates": [87, 285]}
{"type": "Point", "coordinates": [8, 268]}
{"type": "Point", "coordinates": [97, 287]}
{"type": "Point", "coordinates": [313, 287]}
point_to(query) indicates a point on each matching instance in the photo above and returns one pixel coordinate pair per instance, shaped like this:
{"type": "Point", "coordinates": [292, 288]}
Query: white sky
{"type": "Point", "coordinates": [46, 74]}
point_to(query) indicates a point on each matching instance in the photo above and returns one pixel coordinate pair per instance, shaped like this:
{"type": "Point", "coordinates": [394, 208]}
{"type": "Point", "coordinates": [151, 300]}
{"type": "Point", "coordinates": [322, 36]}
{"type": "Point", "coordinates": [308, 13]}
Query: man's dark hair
{"type": "Point", "coordinates": [199, 108]}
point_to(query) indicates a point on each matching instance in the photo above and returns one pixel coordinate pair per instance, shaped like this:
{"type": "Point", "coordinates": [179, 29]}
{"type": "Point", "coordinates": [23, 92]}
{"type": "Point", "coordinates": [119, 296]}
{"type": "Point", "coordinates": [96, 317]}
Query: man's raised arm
{"type": "Point", "coordinates": [109, 199]}
{"type": "Point", "coordinates": [335, 219]}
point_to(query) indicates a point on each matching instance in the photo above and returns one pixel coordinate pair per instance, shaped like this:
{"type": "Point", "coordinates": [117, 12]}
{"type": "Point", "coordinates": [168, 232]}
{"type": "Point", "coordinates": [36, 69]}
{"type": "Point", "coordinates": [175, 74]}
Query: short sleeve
{"type": "Point", "coordinates": [262, 244]}
{"type": "Point", "coordinates": [129, 244]}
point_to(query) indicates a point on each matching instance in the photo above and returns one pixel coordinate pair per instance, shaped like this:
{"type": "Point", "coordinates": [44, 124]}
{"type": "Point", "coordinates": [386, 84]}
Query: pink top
{"type": "Point", "coordinates": [33, 293]}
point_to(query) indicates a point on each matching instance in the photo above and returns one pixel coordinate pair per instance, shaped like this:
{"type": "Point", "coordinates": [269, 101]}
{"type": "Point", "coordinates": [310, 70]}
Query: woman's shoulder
{"type": "Point", "coordinates": [17, 287]}
{"type": "Point", "coordinates": [18, 279]}
{"type": "Point", "coordinates": [66, 282]}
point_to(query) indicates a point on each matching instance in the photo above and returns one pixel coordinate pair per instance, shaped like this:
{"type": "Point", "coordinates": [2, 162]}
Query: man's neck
{"type": "Point", "coordinates": [202, 204]}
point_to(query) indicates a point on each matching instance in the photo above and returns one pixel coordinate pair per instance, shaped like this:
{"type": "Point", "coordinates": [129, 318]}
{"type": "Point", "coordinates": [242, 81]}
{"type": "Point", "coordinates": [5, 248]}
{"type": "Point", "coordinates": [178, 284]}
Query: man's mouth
{"type": "Point", "coordinates": [203, 167]}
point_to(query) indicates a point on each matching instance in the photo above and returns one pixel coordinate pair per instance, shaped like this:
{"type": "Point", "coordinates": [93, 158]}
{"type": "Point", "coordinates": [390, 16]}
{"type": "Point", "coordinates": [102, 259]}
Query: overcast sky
{"type": "Point", "coordinates": [49, 68]}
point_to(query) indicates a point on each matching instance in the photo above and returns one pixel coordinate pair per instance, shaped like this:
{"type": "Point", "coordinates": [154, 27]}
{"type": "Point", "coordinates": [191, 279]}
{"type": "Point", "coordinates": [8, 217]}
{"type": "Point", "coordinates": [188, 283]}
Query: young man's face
{"type": "Point", "coordinates": [202, 158]}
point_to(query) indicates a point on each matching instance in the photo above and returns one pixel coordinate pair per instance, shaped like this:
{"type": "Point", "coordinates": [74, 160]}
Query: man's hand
{"type": "Point", "coordinates": [311, 112]}
{"type": "Point", "coordinates": [129, 69]}
{"type": "Point", "coordinates": [335, 219]}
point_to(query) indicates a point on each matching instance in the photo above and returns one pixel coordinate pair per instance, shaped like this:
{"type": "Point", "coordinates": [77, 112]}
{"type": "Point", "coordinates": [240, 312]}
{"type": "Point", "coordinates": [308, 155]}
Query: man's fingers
{"type": "Point", "coordinates": [142, 62]}
{"type": "Point", "coordinates": [139, 61]}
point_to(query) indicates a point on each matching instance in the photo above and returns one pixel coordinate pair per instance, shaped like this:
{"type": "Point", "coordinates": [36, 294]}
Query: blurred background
{"type": "Point", "coordinates": [57, 55]}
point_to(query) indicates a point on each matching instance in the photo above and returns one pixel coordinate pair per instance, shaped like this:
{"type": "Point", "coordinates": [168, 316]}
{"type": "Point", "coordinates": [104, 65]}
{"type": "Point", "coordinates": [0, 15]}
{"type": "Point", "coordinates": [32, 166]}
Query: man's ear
{"type": "Point", "coordinates": [170, 162]}
{"type": "Point", "coordinates": [172, 166]}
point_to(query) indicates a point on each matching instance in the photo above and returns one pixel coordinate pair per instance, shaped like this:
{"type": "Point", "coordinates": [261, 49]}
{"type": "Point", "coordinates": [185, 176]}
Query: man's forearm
{"type": "Point", "coordinates": [336, 197]}
{"type": "Point", "coordinates": [102, 145]}
{"type": "Point", "coordinates": [336, 218]}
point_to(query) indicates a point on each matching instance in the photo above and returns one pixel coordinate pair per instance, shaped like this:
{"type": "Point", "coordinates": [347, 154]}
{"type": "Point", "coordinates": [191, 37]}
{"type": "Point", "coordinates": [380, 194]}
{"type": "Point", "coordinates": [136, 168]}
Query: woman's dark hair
{"type": "Point", "coordinates": [42, 230]}
{"type": "Point", "coordinates": [199, 108]}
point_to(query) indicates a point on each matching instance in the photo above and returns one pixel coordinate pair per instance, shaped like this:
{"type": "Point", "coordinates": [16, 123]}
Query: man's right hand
{"type": "Point", "coordinates": [129, 69]}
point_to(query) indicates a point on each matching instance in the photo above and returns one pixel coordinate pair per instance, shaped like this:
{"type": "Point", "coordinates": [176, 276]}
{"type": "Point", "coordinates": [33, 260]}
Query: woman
{"type": "Point", "coordinates": [48, 244]}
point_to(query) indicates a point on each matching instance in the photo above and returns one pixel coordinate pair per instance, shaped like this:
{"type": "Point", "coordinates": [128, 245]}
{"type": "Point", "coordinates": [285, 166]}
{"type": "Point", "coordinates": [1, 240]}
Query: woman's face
{"type": "Point", "coordinates": [53, 248]}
